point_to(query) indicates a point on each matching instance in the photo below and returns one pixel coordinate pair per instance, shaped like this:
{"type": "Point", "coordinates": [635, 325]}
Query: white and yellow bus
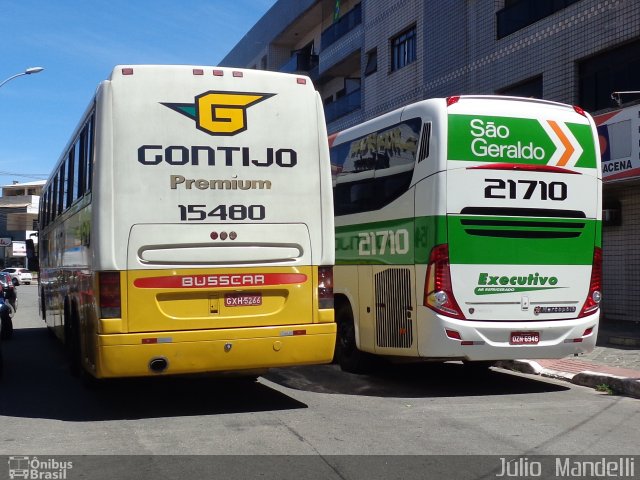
{"type": "Point", "coordinates": [468, 228]}
{"type": "Point", "coordinates": [186, 226]}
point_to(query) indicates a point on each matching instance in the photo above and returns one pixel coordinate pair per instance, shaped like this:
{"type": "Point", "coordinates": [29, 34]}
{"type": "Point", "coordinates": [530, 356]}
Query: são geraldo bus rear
{"type": "Point", "coordinates": [185, 227]}
{"type": "Point", "coordinates": [468, 228]}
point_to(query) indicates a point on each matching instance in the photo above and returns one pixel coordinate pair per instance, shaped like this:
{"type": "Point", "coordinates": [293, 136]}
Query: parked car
{"type": "Point", "coordinates": [19, 275]}
{"type": "Point", "coordinates": [9, 291]}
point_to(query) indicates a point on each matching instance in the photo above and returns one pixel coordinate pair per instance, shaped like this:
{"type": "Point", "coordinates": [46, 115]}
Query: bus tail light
{"type": "Point", "coordinates": [595, 285]}
{"type": "Point", "coordinates": [453, 100]}
{"type": "Point", "coordinates": [109, 292]}
{"type": "Point", "coordinates": [438, 291]}
{"type": "Point", "coordinates": [325, 287]}
{"type": "Point", "coordinates": [580, 110]}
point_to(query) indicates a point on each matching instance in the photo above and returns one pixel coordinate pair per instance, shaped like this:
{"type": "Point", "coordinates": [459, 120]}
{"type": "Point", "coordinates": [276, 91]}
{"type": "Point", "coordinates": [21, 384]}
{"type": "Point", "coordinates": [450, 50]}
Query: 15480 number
{"type": "Point", "coordinates": [195, 213]}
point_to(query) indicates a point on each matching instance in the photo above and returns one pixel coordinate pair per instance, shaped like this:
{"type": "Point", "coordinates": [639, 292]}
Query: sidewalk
{"type": "Point", "coordinates": [614, 363]}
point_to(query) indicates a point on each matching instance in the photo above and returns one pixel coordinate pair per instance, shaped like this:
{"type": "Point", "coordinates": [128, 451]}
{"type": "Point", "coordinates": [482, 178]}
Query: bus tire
{"type": "Point", "coordinates": [76, 367]}
{"type": "Point", "coordinates": [347, 354]}
{"type": "Point", "coordinates": [72, 342]}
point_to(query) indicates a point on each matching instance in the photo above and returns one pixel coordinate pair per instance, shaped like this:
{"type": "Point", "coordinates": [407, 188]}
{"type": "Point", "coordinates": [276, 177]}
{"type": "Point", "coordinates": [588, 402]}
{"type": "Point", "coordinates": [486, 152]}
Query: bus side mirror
{"type": "Point", "coordinates": [32, 255]}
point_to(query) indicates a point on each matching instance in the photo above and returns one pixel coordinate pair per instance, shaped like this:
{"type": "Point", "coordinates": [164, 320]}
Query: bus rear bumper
{"type": "Point", "coordinates": [482, 341]}
{"type": "Point", "coordinates": [193, 352]}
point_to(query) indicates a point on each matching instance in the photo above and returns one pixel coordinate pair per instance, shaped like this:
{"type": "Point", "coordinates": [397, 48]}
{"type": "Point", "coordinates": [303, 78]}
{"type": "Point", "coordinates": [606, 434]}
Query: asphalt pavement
{"type": "Point", "coordinates": [613, 366]}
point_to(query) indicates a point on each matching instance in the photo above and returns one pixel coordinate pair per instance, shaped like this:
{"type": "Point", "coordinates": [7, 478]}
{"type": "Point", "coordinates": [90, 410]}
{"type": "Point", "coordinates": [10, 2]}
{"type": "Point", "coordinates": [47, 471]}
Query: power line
{"type": "Point", "coordinates": [36, 176]}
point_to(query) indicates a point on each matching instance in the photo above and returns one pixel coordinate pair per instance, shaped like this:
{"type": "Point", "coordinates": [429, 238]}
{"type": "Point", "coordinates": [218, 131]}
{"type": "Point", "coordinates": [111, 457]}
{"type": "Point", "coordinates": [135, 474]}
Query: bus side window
{"type": "Point", "coordinates": [70, 176]}
{"type": "Point", "coordinates": [42, 210]}
{"type": "Point", "coordinates": [342, 199]}
{"type": "Point", "coordinates": [61, 188]}
{"type": "Point", "coordinates": [54, 197]}
{"type": "Point", "coordinates": [362, 196]}
{"type": "Point", "coordinates": [89, 153]}
{"type": "Point", "coordinates": [82, 163]}
{"type": "Point", "coordinates": [393, 186]}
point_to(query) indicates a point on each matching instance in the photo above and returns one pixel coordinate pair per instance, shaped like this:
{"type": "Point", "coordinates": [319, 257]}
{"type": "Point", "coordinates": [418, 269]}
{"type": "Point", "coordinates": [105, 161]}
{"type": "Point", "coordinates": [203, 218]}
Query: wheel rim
{"type": "Point", "coordinates": [347, 338]}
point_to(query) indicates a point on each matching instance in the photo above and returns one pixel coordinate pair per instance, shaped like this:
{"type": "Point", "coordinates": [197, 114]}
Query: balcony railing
{"type": "Point", "coordinates": [339, 29]}
{"type": "Point", "coordinates": [300, 63]}
{"type": "Point", "coordinates": [342, 106]}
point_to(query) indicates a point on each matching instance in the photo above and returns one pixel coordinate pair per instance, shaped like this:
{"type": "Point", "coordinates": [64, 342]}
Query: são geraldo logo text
{"type": "Point", "coordinates": [220, 113]}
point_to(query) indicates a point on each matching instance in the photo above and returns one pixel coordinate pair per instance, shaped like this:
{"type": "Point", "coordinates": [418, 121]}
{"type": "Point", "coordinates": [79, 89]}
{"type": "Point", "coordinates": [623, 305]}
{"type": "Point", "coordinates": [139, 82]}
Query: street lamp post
{"type": "Point", "coordinates": [28, 71]}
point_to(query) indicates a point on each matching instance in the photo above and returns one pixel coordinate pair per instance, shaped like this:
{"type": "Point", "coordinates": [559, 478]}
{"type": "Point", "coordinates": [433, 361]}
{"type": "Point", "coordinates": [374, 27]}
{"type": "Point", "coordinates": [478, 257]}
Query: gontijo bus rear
{"type": "Point", "coordinates": [202, 244]}
{"type": "Point", "coordinates": [468, 228]}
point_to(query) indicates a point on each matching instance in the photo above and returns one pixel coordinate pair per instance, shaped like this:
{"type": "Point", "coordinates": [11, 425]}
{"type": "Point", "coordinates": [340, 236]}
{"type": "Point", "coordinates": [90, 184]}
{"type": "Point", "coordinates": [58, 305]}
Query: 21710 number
{"type": "Point", "coordinates": [525, 189]}
{"type": "Point", "coordinates": [196, 213]}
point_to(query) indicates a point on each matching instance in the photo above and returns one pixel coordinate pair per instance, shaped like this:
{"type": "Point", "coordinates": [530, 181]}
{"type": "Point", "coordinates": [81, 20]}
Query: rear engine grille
{"type": "Point", "coordinates": [394, 326]}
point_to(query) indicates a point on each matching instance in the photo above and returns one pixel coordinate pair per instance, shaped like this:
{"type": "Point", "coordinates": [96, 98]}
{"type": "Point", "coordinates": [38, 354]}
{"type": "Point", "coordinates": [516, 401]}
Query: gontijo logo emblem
{"type": "Point", "coordinates": [220, 113]}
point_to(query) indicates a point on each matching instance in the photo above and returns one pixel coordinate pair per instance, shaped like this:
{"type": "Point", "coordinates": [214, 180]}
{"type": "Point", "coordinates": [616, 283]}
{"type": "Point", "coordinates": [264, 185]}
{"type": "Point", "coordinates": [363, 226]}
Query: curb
{"type": "Point", "coordinates": [621, 341]}
{"type": "Point", "coordinates": [620, 385]}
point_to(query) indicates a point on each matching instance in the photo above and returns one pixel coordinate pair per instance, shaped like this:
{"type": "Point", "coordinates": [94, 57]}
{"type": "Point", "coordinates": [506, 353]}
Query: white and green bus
{"type": "Point", "coordinates": [468, 228]}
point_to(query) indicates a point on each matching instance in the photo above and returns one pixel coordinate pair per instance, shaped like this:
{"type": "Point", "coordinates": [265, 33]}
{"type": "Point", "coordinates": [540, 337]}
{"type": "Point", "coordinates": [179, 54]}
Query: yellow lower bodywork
{"type": "Point", "coordinates": [188, 352]}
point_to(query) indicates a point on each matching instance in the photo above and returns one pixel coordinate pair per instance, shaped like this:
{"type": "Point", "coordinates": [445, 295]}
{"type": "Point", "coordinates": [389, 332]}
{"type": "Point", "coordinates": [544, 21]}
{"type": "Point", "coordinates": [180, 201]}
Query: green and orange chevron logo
{"type": "Point", "coordinates": [481, 138]}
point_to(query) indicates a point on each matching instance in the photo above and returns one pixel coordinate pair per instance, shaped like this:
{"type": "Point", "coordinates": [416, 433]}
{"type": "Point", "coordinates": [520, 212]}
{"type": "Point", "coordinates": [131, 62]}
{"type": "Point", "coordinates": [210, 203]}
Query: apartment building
{"type": "Point", "coordinates": [367, 57]}
{"type": "Point", "coordinates": [18, 220]}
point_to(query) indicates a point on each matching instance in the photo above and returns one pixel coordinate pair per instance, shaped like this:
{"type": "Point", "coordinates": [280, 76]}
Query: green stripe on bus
{"type": "Point", "coordinates": [407, 242]}
{"type": "Point", "coordinates": [555, 242]}
{"type": "Point", "coordinates": [393, 242]}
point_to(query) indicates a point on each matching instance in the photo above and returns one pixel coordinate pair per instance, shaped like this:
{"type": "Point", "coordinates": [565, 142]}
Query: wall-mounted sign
{"type": "Point", "coordinates": [19, 249]}
{"type": "Point", "coordinates": [619, 136]}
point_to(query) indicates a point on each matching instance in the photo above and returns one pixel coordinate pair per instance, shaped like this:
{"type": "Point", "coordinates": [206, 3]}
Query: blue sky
{"type": "Point", "coordinates": [78, 42]}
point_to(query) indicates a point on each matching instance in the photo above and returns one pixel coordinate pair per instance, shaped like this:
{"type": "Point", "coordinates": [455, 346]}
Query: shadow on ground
{"type": "Point", "coordinates": [37, 384]}
{"type": "Point", "coordinates": [412, 380]}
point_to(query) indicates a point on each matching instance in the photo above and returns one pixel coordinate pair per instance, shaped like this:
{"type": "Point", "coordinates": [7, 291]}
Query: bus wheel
{"type": "Point", "coordinates": [74, 351]}
{"type": "Point", "coordinates": [72, 345]}
{"type": "Point", "coordinates": [347, 354]}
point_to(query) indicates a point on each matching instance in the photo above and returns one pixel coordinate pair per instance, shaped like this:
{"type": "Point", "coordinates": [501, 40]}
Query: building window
{"type": "Point", "coordinates": [531, 88]}
{"type": "Point", "coordinates": [612, 71]}
{"type": "Point", "coordinates": [403, 49]}
{"type": "Point", "coordinates": [518, 14]}
{"type": "Point", "coordinates": [372, 62]}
